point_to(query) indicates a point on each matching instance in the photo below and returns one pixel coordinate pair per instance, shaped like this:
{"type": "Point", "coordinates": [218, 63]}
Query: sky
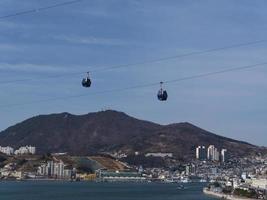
{"type": "Point", "coordinates": [93, 34]}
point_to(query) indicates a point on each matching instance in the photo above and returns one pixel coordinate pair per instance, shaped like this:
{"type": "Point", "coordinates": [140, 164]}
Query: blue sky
{"type": "Point", "coordinates": [93, 34]}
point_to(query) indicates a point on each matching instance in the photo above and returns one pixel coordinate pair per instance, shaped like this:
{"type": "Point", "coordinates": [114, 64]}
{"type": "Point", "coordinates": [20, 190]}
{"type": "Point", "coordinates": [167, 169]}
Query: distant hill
{"type": "Point", "coordinates": [111, 131]}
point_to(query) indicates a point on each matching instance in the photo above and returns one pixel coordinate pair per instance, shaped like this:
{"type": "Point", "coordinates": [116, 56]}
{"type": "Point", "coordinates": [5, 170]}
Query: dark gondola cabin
{"type": "Point", "coordinates": [86, 82]}
{"type": "Point", "coordinates": [162, 94]}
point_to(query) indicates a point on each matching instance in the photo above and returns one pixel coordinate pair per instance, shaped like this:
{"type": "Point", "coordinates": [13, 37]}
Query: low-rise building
{"type": "Point", "coordinates": [258, 183]}
{"type": "Point", "coordinates": [25, 150]}
{"type": "Point", "coordinates": [104, 175]}
{"type": "Point", "coordinates": [7, 150]}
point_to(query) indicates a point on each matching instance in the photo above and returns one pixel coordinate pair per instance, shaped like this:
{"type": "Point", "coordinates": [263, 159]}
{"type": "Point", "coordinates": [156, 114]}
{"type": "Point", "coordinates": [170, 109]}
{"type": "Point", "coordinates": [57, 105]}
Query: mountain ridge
{"type": "Point", "coordinates": [113, 131]}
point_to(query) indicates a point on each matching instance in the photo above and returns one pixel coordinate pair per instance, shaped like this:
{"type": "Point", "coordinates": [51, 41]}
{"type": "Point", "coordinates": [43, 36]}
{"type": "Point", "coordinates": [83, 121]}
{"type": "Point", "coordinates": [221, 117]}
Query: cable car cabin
{"type": "Point", "coordinates": [162, 95]}
{"type": "Point", "coordinates": [86, 82]}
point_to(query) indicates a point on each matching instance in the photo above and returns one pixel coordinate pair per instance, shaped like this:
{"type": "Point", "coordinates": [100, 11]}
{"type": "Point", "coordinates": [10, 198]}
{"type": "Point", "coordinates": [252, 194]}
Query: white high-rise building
{"type": "Point", "coordinates": [55, 170]}
{"type": "Point", "coordinates": [59, 169]}
{"type": "Point", "coordinates": [210, 152]}
{"type": "Point", "coordinates": [223, 155]}
{"type": "Point", "coordinates": [213, 153]}
{"type": "Point", "coordinates": [201, 153]}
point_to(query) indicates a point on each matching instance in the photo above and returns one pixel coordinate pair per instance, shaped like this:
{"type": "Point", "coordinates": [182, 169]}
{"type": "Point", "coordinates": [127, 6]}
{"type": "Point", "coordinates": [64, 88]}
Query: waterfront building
{"type": "Point", "coordinates": [104, 175]}
{"type": "Point", "coordinates": [55, 170]}
{"type": "Point", "coordinates": [187, 170]}
{"type": "Point", "coordinates": [190, 170]}
{"type": "Point", "coordinates": [86, 176]}
{"type": "Point", "coordinates": [67, 173]}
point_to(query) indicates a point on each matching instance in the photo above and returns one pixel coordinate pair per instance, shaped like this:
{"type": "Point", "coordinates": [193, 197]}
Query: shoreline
{"type": "Point", "coordinates": [224, 196]}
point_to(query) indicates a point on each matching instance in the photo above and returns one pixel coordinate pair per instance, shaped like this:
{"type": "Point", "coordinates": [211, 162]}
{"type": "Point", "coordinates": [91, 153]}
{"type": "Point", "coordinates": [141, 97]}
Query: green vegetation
{"type": "Point", "coordinates": [3, 158]}
{"type": "Point", "coordinates": [227, 190]}
{"type": "Point", "coordinates": [245, 193]}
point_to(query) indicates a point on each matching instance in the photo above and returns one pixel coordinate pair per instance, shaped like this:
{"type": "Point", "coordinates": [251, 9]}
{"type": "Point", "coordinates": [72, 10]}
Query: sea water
{"type": "Point", "coordinates": [53, 190]}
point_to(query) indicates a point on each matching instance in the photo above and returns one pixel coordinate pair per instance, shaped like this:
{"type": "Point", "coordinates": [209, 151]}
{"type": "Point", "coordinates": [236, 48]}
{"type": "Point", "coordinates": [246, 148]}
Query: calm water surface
{"type": "Point", "coordinates": [98, 191]}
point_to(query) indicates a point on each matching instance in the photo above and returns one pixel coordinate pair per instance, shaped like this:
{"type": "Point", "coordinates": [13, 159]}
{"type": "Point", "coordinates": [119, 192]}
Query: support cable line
{"type": "Point", "coordinates": [140, 85]}
{"type": "Point", "coordinates": [162, 59]}
{"type": "Point", "coordinates": [40, 9]}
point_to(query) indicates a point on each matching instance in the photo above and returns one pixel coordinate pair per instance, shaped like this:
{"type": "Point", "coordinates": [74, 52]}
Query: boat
{"type": "Point", "coordinates": [203, 181]}
{"type": "Point", "coordinates": [185, 180]}
{"type": "Point", "coordinates": [180, 187]}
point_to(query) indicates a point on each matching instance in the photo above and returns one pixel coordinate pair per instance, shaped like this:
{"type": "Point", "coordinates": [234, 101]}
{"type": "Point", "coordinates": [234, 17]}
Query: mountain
{"type": "Point", "coordinates": [112, 131]}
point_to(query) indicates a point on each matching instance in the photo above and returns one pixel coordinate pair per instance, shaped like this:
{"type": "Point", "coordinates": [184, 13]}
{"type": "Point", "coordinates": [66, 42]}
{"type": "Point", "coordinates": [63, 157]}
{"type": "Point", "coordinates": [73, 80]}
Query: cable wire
{"type": "Point", "coordinates": [114, 67]}
{"type": "Point", "coordinates": [140, 85]}
{"type": "Point", "coordinates": [31, 11]}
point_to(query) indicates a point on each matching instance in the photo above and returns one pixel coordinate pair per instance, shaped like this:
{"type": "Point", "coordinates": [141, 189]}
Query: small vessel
{"type": "Point", "coordinates": [169, 181]}
{"type": "Point", "coordinates": [180, 187]}
{"type": "Point", "coordinates": [203, 180]}
{"type": "Point", "coordinates": [185, 180]}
